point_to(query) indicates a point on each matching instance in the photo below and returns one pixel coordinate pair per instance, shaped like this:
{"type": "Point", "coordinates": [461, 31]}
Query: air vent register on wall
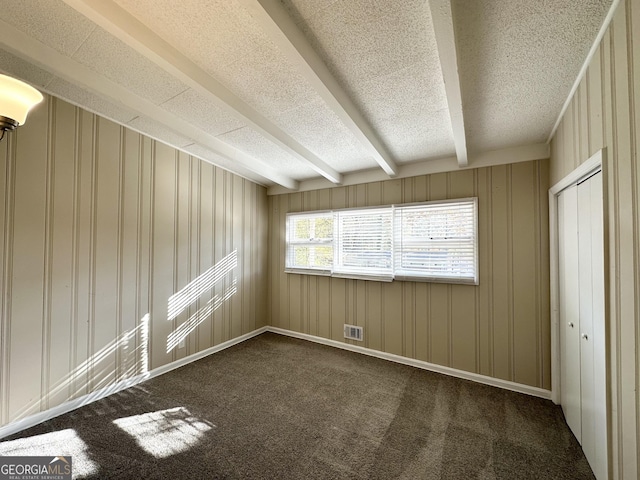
{"type": "Point", "coordinates": [352, 332]}
{"type": "Point", "coordinates": [16, 100]}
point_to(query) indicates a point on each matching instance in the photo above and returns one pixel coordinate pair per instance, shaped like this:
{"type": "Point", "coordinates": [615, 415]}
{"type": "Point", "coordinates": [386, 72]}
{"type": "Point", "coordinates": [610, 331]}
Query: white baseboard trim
{"type": "Point", "coordinates": [70, 405]}
{"type": "Point", "coordinates": [475, 377]}
{"type": "Point", "coordinates": [205, 353]}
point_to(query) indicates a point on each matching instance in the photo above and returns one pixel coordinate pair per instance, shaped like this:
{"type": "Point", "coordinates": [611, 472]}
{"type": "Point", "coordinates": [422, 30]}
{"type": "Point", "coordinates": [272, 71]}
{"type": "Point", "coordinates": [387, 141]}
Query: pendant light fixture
{"type": "Point", "coordinates": [16, 100]}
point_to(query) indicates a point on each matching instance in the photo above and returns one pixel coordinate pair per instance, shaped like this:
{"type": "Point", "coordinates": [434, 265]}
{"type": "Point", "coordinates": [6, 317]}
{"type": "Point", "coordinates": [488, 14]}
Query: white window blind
{"type": "Point", "coordinates": [437, 241]}
{"type": "Point", "coordinates": [364, 246]}
{"type": "Point", "coordinates": [310, 242]}
{"type": "Point", "coordinates": [431, 241]}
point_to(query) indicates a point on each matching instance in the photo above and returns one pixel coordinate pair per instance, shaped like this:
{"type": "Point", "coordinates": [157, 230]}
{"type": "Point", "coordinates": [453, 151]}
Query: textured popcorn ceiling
{"type": "Point", "coordinates": [117, 62]}
{"type": "Point", "coordinates": [50, 22]}
{"type": "Point", "coordinates": [518, 59]}
{"type": "Point", "coordinates": [257, 146]}
{"type": "Point", "coordinates": [288, 91]}
{"type": "Point", "coordinates": [385, 55]}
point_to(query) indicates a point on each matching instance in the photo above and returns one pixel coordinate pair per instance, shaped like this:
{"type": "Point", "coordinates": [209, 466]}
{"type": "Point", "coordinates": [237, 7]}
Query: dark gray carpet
{"type": "Point", "coordinates": [280, 408]}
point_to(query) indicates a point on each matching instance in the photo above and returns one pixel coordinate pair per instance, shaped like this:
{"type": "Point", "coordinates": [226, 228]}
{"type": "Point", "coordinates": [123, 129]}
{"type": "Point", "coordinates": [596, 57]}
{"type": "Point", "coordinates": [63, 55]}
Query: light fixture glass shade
{"type": "Point", "coordinates": [17, 99]}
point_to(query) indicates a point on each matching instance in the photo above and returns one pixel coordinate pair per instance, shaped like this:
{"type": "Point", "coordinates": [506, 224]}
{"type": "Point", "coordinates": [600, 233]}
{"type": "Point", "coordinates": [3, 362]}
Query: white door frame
{"type": "Point", "coordinates": [597, 161]}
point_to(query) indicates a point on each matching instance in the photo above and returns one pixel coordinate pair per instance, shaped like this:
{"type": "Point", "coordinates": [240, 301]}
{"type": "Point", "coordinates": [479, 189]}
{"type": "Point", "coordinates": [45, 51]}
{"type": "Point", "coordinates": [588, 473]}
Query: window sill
{"type": "Point", "coordinates": [381, 278]}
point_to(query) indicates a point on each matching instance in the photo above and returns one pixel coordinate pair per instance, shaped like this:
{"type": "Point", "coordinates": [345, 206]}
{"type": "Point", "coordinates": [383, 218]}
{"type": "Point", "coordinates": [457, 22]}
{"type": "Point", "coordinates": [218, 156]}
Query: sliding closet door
{"type": "Point", "coordinates": [592, 331]}
{"type": "Point", "coordinates": [569, 308]}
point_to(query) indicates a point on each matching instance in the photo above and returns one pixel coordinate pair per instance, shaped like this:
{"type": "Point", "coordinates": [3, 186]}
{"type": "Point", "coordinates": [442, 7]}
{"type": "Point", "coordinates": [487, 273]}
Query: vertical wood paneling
{"type": "Point", "coordinates": [472, 328]}
{"type": "Point", "coordinates": [195, 224]}
{"type": "Point", "coordinates": [129, 255]}
{"type": "Point", "coordinates": [393, 333]}
{"type": "Point", "coordinates": [485, 257]}
{"type": "Point", "coordinates": [295, 281]}
{"type": "Point", "coordinates": [462, 326]}
{"type": "Point", "coordinates": [422, 290]}
{"type": "Point", "coordinates": [83, 253]}
{"type": "Point", "coordinates": [273, 290]}
{"type": "Point", "coordinates": [219, 246]}
{"type": "Point", "coordinates": [309, 306]}
{"type": "Point", "coordinates": [595, 103]}
{"type": "Point", "coordinates": [625, 239]}
{"type": "Point", "coordinates": [500, 280]}
{"type": "Point", "coordinates": [611, 121]}
{"type": "Point", "coordinates": [556, 151]}
{"type": "Point", "coordinates": [633, 15]}
{"type": "Point", "coordinates": [182, 256]}
{"type": "Point", "coordinates": [283, 319]}
{"type": "Point", "coordinates": [393, 316]}
{"type": "Point", "coordinates": [164, 244]}
{"type": "Point", "coordinates": [48, 253]}
{"type": "Point", "coordinates": [409, 320]}
{"type": "Point", "coordinates": [101, 226]}
{"type": "Point", "coordinates": [583, 127]}
{"type": "Point", "coordinates": [542, 275]}
{"type": "Point", "coordinates": [262, 236]}
{"type": "Point", "coordinates": [440, 294]}
{"type": "Point", "coordinates": [526, 263]}
{"type": "Point", "coordinates": [27, 286]}
{"type": "Point", "coordinates": [236, 280]}
{"type": "Point", "coordinates": [105, 329]}
{"type": "Point", "coordinates": [246, 290]}
{"type": "Point", "coordinates": [206, 248]}
{"type": "Point", "coordinates": [143, 271]}
{"type": "Point", "coordinates": [338, 308]}
{"type": "Point", "coordinates": [6, 205]}
{"type": "Point", "coordinates": [228, 229]}
{"type": "Point", "coordinates": [575, 131]}
{"type": "Point", "coordinates": [338, 287]}
{"type": "Point", "coordinates": [59, 309]}
{"type": "Point", "coordinates": [374, 337]}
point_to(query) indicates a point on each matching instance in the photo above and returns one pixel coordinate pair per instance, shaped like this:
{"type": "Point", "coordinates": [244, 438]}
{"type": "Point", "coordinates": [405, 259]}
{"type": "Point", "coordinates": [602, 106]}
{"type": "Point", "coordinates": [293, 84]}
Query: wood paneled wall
{"type": "Point", "coordinates": [605, 112]}
{"type": "Point", "coordinates": [114, 248]}
{"type": "Point", "coordinates": [499, 328]}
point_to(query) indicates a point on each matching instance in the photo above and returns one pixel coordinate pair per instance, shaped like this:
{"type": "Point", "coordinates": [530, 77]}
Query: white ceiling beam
{"type": "Point", "coordinates": [282, 30]}
{"type": "Point", "coordinates": [505, 156]}
{"type": "Point", "coordinates": [445, 39]}
{"type": "Point", "coordinates": [20, 44]}
{"type": "Point", "coordinates": [138, 36]}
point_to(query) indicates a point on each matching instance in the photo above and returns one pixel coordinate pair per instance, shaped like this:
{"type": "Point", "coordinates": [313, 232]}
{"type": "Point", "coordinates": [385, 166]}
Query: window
{"type": "Point", "coordinates": [436, 241]}
{"type": "Point", "coordinates": [364, 243]}
{"type": "Point", "coordinates": [431, 241]}
{"type": "Point", "coordinates": [310, 242]}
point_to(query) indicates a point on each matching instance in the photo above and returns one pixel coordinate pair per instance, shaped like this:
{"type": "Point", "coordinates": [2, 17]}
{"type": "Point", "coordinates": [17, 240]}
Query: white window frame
{"type": "Point", "coordinates": [342, 271]}
{"type": "Point", "coordinates": [396, 237]}
{"type": "Point", "coordinates": [469, 244]}
{"type": "Point", "coordinates": [307, 243]}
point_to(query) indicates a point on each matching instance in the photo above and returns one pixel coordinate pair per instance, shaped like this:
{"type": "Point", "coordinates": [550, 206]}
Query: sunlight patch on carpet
{"type": "Point", "coordinates": [63, 442]}
{"type": "Point", "coordinates": [165, 432]}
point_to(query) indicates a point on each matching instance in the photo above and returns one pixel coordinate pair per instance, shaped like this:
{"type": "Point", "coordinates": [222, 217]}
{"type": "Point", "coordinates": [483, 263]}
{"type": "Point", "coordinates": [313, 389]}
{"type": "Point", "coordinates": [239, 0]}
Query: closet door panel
{"type": "Point", "coordinates": [597, 432]}
{"type": "Point", "coordinates": [582, 316]}
{"type": "Point", "coordinates": [585, 220]}
{"type": "Point", "coordinates": [599, 333]}
{"type": "Point", "coordinates": [569, 308]}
